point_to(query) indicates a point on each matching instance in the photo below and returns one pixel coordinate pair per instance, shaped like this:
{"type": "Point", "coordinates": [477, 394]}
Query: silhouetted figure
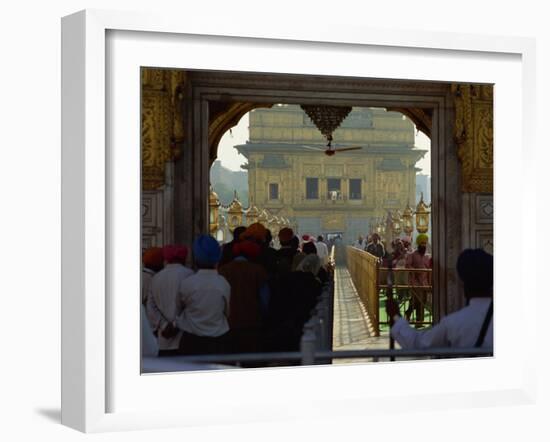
{"type": "Point", "coordinates": [291, 305]}
{"type": "Point", "coordinates": [472, 326]}
{"type": "Point", "coordinates": [227, 249]}
{"type": "Point", "coordinates": [247, 307]}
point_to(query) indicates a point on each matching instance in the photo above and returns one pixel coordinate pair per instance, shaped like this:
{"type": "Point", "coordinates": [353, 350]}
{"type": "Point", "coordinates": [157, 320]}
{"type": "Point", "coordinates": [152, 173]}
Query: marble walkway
{"type": "Point", "coordinates": [352, 329]}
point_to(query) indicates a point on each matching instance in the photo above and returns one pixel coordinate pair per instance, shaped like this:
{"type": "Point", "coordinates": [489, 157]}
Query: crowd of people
{"type": "Point", "coordinates": [403, 256]}
{"type": "Point", "coordinates": [471, 326]}
{"type": "Point", "coordinates": [240, 297]}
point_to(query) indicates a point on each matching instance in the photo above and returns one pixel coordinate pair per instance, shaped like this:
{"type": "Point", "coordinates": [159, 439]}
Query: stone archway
{"type": "Point", "coordinates": [205, 88]}
{"type": "Point", "coordinates": [212, 102]}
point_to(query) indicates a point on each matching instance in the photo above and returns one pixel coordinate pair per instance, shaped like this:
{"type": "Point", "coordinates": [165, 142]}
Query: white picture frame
{"type": "Point", "coordinates": [90, 170]}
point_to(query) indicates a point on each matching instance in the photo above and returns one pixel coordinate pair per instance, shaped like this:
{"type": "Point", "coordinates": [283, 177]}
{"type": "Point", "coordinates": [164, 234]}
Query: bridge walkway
{"type": "Point", "coordinates": [352, 329]}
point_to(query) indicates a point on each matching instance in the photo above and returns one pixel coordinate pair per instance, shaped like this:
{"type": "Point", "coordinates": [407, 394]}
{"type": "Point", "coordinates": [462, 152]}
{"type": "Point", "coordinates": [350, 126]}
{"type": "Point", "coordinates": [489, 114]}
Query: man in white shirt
{"type": "Point", "coordinates": [359, 243]}
{"type": "Point", "coordinates": [472, 326]}
{"type": "Point", "coordinates": [202, 303]}
{"type": "Point", "coordinates": [161, 302]}
{"type": "Point", "coordinates": [322, 250]}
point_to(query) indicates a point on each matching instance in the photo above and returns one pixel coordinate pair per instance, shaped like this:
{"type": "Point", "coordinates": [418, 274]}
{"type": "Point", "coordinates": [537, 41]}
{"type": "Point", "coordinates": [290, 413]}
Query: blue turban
{"type": "Point", "coordinates": [206, 250]}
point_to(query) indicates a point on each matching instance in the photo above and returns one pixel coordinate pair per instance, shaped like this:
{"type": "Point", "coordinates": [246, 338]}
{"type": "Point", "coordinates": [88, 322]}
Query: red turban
{"type": "Point", "coordinates": [153, 258]}
{"type": "Point", "coordinates": [248, 249]}
{"type": "Point", "coordinates": [305, 237]}
{"type": "Point", "coordinates": [286, 234]}
{"type": "Point", "coordinates": [175, 253]}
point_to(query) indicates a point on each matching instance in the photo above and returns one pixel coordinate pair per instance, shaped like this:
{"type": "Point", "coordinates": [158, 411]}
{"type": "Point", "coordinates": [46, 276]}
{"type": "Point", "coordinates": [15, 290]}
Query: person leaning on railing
{"type": "Point", "coordinates": [472, 326]}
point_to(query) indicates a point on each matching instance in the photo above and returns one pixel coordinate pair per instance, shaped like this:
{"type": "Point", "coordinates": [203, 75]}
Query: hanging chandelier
{"type": "Point", "coordinates": [326, 118]}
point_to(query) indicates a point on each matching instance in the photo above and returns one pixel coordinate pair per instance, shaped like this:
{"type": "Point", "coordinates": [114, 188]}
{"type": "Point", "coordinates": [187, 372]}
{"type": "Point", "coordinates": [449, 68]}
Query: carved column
{"type": "Point", "coordinates": [474, 138]}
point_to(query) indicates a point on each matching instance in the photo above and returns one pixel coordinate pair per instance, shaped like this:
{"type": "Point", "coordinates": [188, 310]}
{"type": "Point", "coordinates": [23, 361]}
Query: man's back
{"type": "Point", "coordinates": [161, 305]}
{"type": "Point", "coordinates": [322, 252]}
{"type": "Point", "coordinates": [203, 304]}
{"type": "Point", "coordinates": [246, 279]}
{"type": "Point", "coordinates": [458, 330]}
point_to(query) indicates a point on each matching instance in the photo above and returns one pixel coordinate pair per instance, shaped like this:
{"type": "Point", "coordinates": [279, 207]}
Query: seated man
{"type": "Point", "coordinates": [471, 326]}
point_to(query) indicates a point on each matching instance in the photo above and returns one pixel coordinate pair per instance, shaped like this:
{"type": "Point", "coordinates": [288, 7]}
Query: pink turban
{"type": "Point", "coordinates": [175, 253]}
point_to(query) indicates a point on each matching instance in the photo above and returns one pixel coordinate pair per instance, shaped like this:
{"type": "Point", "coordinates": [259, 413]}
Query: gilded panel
{"type": "Point", "coordinates": [155, 137]}
{"type": "Point", "coordinates": [473, 133]}
{"type": "Point", "coordinates": [161, 122]}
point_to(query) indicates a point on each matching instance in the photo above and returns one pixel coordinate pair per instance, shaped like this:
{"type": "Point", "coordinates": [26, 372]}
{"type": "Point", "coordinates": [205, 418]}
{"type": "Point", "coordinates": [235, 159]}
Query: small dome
{"type": "Point", "coordinates": [422, 207]}
{"type": "Point", "coordinates": [235, 206]}
{"type": "Point", "coordinates": [408, 212]}
{"type": "Point", "coordinates": [214, 199]}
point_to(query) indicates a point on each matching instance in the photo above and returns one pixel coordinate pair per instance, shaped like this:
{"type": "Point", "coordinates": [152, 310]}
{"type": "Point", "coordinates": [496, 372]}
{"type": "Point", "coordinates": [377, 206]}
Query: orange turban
{"type": "Point", "coordinates": [153, 258]}
{"type": "Point", "coordinates": [255, 231]}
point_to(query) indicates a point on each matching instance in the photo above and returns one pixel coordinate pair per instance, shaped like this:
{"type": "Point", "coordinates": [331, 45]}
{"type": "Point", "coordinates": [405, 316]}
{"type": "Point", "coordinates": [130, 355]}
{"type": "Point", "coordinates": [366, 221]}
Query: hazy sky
{"type": "Point", "coordinates": [231, 159]}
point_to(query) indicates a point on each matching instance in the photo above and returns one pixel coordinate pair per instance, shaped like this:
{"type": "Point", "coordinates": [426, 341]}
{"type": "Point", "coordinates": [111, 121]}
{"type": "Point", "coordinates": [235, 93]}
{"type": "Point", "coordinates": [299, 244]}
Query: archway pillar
{"type": "Point", "coordinates": [191, 180]}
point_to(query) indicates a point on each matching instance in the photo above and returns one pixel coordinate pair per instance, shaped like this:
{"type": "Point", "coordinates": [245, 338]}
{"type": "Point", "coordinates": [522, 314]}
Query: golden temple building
{"type": "Point", "coordinates": [347, 193]}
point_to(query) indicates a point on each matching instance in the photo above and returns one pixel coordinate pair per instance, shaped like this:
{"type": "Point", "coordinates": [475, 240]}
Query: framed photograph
{"type": "Point", "coordinates": [104, 386]}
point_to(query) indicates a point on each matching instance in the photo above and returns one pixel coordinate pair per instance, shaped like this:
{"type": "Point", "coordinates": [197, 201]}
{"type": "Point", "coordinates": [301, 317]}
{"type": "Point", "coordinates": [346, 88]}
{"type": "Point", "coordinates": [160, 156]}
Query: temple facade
{"type": "Point", "coordinates": [347, 193]}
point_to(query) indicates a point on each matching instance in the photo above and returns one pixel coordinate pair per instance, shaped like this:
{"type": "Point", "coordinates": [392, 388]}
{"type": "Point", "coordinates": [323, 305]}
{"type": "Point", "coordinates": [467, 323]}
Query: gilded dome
{"type": "Point", "coordinates": [214, 200]}
{"type": "Point", "coordinates": [235, 206]}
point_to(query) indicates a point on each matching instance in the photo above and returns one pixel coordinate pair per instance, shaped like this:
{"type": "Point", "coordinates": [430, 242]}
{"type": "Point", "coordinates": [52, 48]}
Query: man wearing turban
{"type": "Point", "coordinates": [472, 326]}
{"type": "Point", "coordinates": [227, 249]}
{"type": "Point", "coordinates": [255, 232]}
{"type": "Point", "coordinates": [419, 281]}
{"type": "Point", "coordinates": [289, 248]}
{"type": "Point", "coordinates": [153, 262]}
{"type": "Point", "coordinates": [291, 305]}
{"type": "Point", "coordinates": [161, 302]}
{"type": "Point", "coordinates": [249, 297]}
{"type": "Point", "coordinates": [202, 302]}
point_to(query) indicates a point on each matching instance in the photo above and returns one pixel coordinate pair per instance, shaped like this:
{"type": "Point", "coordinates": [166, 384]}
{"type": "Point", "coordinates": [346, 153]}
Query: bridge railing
{"type": "Point", "coordinates": [364, 271]}
{"type": "Point", "coordinates": [371, 282]}
{"type": "Point", "coordinates": [409, 285]}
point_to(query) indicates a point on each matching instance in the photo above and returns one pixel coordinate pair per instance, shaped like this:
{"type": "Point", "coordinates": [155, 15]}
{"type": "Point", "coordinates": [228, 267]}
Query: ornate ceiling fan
{"type": "Point", "coordinates": [327, 119]}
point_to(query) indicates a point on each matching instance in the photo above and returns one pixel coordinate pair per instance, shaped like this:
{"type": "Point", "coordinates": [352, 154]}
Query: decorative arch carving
{"type": "Point", "coordinates": [422, 118]}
